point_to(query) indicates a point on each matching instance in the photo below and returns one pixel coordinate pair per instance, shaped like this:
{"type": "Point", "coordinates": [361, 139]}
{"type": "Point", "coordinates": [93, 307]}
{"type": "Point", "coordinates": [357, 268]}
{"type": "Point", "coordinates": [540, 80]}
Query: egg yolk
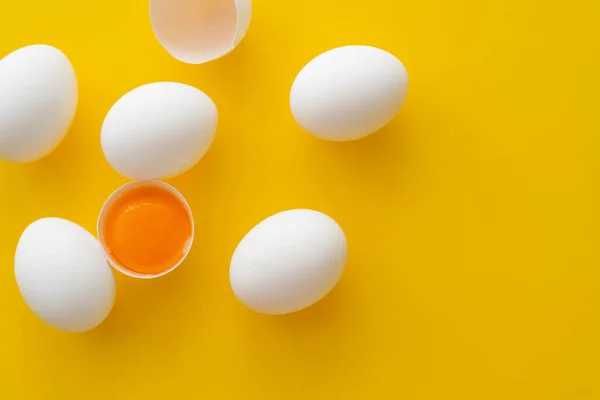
{"type": "Point", "coordinates": [147, 230]}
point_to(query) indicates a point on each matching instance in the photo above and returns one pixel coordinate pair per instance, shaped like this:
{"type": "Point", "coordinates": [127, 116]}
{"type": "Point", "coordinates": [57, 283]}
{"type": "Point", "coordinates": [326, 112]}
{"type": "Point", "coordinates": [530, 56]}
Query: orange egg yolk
{"type": "Point", "coordinates": [147, 230]}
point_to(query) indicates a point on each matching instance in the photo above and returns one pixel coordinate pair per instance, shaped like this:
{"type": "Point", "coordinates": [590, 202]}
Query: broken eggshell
{"type": "Point", "coordinates": [198, 31]}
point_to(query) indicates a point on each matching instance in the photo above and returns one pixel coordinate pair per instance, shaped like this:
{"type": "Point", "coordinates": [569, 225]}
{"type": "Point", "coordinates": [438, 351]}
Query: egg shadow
{"type": "Point", "coordinates": [202, 177]}
{"type": "Point", "coordinates": [62, 176]}
{"type": "Point", "coordinates": [56, 171]}
{"type": "Point", "coordinates": [312, 346]}
{"type": "Point", "coordinates": [156, 306]}
{"type": "Point", "coordinates": [381, 158]}
{"type": "Point", "coordinates": [232, 74]}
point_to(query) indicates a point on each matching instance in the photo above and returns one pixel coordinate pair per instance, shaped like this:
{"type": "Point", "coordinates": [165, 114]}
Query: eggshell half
{"type": "Point", "coordinates": [38, 99]}
{"type": "Point", "coordinates": [159, 130]}
{"type": "Point", "coordinates": [288, 262]}
{"type": "Point", "coordinates": [349, 92]}
{"type": "Point", "coordinates": [198, 31]}
{"type": "Point", "coordinates": [63, 276]}
{"type": "Point", "coordinates": [114, 197]}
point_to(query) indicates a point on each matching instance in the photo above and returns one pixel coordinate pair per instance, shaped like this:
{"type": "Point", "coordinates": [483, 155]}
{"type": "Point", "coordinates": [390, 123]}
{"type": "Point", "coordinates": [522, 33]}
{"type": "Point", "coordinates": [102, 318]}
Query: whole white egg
{"type": "Point", "coordinates": [159, 130]}
{"type": "Point", "coordinates": [288, 262]}
{"type": "Point", "coordinates": [349, 92]}
{"type": "Point", "coordinates": [38, 99]}
{"type": "Point", "coordinates": [63, 275]}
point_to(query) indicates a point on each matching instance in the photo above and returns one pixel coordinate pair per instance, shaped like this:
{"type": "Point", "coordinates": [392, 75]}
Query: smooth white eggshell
{"type": "Point", "coordinates": [288, 262]}
{"type": "Point", "coordinates": [38, 100]}
{"type": "Point", "coordinates": [159, 130]}
{"type": "Point", "coordinates": [198, 31]}
{"type": "Point", "coordinates": [63, 276]}
{"type": "Point", "coordinates": [349, 92]}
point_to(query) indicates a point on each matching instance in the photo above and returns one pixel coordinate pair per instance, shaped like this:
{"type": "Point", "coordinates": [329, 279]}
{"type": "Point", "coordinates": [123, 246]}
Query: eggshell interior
{"type": "Point", "coordinates": [109, 203]}
{"type": "Point", "coordinates": [198, 31]}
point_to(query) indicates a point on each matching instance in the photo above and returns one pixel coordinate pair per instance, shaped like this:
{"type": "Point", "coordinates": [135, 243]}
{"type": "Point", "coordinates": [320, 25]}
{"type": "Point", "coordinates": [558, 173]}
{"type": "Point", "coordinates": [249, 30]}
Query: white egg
{"type": "Point", "coordinates": [38, 99]}
{"type": "Point", "coordinates": [159, 130]}
{"type": "Point", "coordinates": [63, 275]}
{"type": "Point", "coordinates": [288, 262]}
{"type": "Point", "coordinates": [349, 92]}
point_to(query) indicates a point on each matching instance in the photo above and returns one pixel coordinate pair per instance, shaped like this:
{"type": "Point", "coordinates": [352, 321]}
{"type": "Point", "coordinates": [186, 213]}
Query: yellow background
{"type": "Point", "coordinates": [473, 219]}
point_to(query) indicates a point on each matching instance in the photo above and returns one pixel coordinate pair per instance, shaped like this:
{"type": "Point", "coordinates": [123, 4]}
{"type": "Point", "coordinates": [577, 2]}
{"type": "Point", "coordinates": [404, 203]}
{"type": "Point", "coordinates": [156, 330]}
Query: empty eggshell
{"type": "Point", "coordinates": [349, 92]}
{"type": "Point", "coordinates": [38, 99]}
{"type": "Point", "coordinates": [63, 276]}
{"type": "Point", "coordinates": [288, 262]}
{"type": "Point", "coordinates": [198, 31]}
{"type": "Point", "coordinates": [159, 130]}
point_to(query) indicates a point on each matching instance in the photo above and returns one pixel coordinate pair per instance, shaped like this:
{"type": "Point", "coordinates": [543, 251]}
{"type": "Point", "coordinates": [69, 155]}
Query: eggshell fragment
{"type": "Point", "coordinates": [63, 276]}
{"type": "Point", "coordinates": [288, 262]}
{"type": "Point", "coordinates": [349, 92]}
{"type": "Point", "coordinates": [38, 99]}
{"type": "Point", "coordinates": [198, 31]}
{"type": "Point", "coordinates": [159, 130]}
